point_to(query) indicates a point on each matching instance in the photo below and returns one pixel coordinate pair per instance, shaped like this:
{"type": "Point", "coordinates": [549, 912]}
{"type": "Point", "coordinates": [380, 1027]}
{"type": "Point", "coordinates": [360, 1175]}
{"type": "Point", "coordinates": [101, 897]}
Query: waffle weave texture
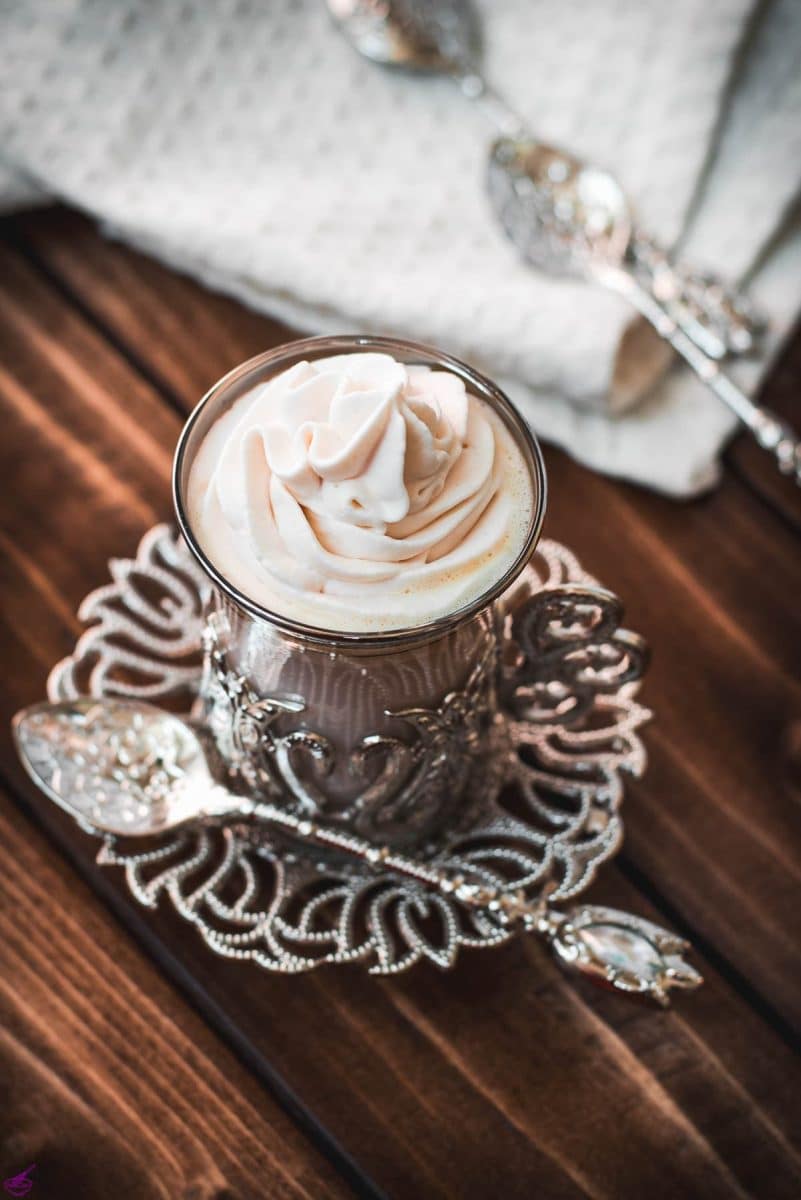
{"type": "Point", "coordinates": [247, 144]}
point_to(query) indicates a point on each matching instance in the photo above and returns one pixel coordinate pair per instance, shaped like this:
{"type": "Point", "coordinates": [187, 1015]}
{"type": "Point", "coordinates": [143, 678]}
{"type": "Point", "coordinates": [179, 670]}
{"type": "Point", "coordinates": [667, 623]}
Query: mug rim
{"type": "Point", "coordinates": [350, 343]}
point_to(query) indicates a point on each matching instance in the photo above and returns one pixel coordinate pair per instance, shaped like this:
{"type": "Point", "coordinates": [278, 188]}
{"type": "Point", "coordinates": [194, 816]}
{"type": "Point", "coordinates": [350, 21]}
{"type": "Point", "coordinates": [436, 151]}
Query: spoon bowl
{"type": "Point", "coordinates": [119, 767]}
{"type": "Point", "coordinates": [564, 216]}
{"type": "Point", "coordinates": [418, 35]}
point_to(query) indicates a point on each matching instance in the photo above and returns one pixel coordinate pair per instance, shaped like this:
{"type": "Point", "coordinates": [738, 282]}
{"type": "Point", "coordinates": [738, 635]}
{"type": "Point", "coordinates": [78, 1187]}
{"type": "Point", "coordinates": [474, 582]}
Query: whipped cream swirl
{"type": "Point", "coordinates": [358, 493]}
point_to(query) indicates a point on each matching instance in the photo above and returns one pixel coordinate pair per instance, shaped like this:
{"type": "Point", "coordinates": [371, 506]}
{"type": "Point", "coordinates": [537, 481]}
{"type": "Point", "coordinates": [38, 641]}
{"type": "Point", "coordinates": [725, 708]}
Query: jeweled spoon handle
{"type": "Point", "coordinates": [770, 431]}
{"type": "Point", "coordinates": [334, 839]}
{"type": "Point", "coordinates": [718, 318]}
{"type": "Point", "coordinates": [622, 951]}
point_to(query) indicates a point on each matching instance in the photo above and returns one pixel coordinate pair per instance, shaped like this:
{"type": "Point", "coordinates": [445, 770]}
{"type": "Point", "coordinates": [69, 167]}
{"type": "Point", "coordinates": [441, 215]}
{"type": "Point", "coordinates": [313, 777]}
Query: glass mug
{"type": "Point", "coordinates": [386, 734]}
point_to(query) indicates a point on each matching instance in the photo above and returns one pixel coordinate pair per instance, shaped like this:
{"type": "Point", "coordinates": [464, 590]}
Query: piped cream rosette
{"type": "Point", "coordinates": [356, 493]}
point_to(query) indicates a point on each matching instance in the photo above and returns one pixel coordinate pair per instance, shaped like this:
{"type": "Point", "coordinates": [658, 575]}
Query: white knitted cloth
{"type": "Point", "coordinates": [248, 144]}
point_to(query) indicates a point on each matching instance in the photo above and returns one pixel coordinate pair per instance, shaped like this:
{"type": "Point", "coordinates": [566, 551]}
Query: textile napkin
{"type": "Point", "coordinates": [247, 144]}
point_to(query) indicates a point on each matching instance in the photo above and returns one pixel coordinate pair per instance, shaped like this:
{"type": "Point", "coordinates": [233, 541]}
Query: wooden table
{"type": "Point", "coordinates": [135, 1064]}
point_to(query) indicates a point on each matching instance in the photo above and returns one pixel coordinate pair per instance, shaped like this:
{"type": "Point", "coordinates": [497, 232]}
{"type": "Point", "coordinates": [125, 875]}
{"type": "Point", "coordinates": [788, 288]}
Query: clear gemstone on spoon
{"type": "Point", "coordinates": [621, 949]}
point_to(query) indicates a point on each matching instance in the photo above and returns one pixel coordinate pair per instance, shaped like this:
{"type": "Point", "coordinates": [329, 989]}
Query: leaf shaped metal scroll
{"type": "Point", "coordinates": [144, 635]}
{"type": "Point", "coordinates": [548, 819]}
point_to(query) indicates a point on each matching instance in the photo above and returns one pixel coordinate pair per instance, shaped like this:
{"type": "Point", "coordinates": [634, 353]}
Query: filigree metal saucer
{"type": "Point", "coordinates": [566, 735]}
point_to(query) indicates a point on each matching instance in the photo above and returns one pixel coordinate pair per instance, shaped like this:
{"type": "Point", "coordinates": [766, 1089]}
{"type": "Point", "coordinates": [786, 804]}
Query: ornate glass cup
{"type": "Point", "coordinates": [388, 734]}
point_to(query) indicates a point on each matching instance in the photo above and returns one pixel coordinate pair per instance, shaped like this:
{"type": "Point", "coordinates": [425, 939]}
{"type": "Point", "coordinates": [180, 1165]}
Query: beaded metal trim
{"type": "Point", "coordinates": [411, 786]}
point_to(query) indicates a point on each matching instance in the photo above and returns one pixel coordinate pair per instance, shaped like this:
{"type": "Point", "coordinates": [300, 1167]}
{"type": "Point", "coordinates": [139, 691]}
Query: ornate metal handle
{"type": "Point", "coordinates": [717, 318]}
{"type": "Point", "coordinates": [623, 951]}
{"type": "Point", "coordinates": [475, 86]}
{"type": "Point", "coordinates": [770, 431]}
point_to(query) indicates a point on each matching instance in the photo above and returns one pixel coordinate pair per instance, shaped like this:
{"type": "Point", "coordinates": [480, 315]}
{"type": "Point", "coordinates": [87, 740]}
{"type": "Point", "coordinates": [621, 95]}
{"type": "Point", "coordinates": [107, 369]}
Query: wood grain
{"type": "Point", "coordinates": [501, 1078]}
{"type": "Point", "coordinates": [107, 1082]}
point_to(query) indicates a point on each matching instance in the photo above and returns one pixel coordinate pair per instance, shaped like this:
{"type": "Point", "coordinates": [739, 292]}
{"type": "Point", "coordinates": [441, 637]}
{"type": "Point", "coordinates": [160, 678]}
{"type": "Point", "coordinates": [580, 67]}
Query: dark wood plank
{"type": "Point", "coordinates": [108, 1083]}
{"type": "Point", "coordinates": [751, 464]}
{"type": "Point", "coordinates": [500, 1078]}
{"type": "Point", "coordinates": [713, 584]}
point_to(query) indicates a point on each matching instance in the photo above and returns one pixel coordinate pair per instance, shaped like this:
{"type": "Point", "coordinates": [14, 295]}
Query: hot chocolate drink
{"type": "Point", "coordinates": [358, 505]}
{"type": "Point", "coordinates": [357, 493]}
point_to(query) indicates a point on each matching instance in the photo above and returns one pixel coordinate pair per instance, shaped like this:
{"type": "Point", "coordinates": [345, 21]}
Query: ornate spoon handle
{"type": "Point", "coordinates": [718, 318]}
{"type": "Point", "coordinates": [770, 431]}
{"type": "Point", "coordinates": [618, 949]}
{"type": "Point", "coordinates": [475, 86]}
{"type": "Point", "coordinates": [129, 769]}
{"type": "Point", "coordinates": [334, 839]}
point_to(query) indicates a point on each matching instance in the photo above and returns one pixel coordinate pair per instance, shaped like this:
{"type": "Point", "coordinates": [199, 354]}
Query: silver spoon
{"type": "Point", "coordinates": [568, 217]}
{"type": "Point", "coordinates": [132, 770]}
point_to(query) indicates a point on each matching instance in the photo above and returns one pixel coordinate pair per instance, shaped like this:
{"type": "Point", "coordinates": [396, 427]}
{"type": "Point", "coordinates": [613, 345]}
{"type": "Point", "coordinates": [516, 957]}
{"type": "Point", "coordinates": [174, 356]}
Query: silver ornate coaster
{"type": "Point", "coordinates": [566, 734]}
